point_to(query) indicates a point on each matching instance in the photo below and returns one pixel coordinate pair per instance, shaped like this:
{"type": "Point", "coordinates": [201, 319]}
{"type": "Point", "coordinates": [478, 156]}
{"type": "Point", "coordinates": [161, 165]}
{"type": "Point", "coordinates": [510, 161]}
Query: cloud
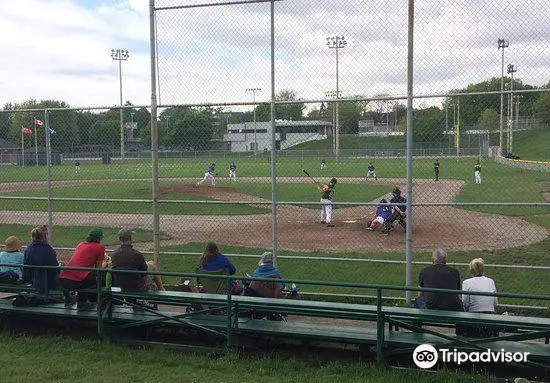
{"type": "Point", "coordinates": [61, 48]}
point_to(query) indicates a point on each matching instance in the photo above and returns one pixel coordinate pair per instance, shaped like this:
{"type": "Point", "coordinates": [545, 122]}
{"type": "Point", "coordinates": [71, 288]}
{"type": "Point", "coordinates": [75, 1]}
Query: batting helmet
{"type": "Point", "coordinates": [396, 191]}
{"type": "Point", "coordinates": [333, 181]}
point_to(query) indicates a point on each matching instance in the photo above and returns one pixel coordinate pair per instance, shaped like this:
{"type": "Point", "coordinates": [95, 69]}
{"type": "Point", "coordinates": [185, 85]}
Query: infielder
{"type": "Point", "coordinates": [326, 201]}
{"type": "Point", "coordinates": [209, 175]}
{"type": "Point", "coordinates": [477, 172]}
{"type": "Point", "coordinates": [323, 164]}
{"type": "Point", "coordinates": [371, 172]}
{"type": "Point", "coordinates": [232, 171]}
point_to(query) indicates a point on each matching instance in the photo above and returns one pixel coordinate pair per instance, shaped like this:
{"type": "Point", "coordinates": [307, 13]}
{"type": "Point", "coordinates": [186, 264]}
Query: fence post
{"type": "Point", "coordinates": [49, 174]}
{"type": "Point", "coordinates": [379, 330]}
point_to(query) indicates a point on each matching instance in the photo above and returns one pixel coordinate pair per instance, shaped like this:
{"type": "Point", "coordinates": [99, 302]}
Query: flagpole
{"type": "Point", "coordinates": [22, 148]}
{"type": "Point", "coordinates": [35, 143]}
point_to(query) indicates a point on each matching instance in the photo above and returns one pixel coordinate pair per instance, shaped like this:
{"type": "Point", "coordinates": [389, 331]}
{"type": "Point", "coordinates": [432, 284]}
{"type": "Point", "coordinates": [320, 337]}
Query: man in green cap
{"type": "Point", "coordinates": [87, 254]}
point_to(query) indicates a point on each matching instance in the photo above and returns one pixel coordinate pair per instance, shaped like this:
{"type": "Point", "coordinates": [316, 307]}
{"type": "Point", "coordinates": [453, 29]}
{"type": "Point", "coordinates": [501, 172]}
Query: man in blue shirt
{"type": "Point", "coordinates": [209, 175]}
{"type": "Point", "coordinates": [371, 172]}
{"type": "Point", "coordinates": [12, 256]}
{"type": "Point", "coordinates": [383, 213]}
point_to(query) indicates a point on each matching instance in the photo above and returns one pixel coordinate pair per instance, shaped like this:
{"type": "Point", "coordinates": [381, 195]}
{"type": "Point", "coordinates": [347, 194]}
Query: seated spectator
{"type": "Point", "coordinates": [128, 258]}
{"type": "Point", "coordinates": [213, 260]}
{"type": "Point", "coordinates": [87, 254]}
{"type": "Point", "coordinates": [40, 253]}
{"type": "Point", "coordinates": [266, 269]}
{"type": "Point", "coordinates": [11, 256]}
{"type": "Point", "coordinates": [440, 276]}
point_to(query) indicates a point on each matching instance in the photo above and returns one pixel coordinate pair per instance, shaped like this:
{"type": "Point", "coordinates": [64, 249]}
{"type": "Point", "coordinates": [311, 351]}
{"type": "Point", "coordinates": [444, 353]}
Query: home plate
{"type": "Point", "coordinates": [349, 221]}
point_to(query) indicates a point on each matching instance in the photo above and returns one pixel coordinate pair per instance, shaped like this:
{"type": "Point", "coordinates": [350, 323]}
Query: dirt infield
{"type": "Point", "coordinates": [299, 228]}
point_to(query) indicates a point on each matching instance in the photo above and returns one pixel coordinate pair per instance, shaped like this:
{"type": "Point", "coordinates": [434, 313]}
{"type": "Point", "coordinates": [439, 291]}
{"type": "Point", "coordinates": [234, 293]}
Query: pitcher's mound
{"type": "Point", "coordinates": [209, 191]}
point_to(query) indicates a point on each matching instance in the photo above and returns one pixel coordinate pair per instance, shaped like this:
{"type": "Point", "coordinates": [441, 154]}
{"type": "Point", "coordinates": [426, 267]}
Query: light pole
{"type": "Point", "coordinates": [332, 94]}
{"type": "Point", "coordinates": [254, 90]}
{"type": "Point", "coordinates": [120, 55]}
{"type": "Point", "coordinates": [511, 70]}
{"type": "Point", "coordinates": [501, 45]}
{"type": "Point", "coordinates": [517, 122]}
{"type": "Point", "coordinates": [337, 43]}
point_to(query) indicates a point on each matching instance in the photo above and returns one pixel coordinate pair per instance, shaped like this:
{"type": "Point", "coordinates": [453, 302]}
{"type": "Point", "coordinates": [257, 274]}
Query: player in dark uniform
{"type": "Point", "coordinates": [436, 169]}
{"type": "Point", "coordinates": [77, 165]}
{"type": "Point", "coordinates": [326, 201]}
{"type": "Point", "coordinates": [371, 172]}
{"type": "Point", "coordinates": [399, 212]}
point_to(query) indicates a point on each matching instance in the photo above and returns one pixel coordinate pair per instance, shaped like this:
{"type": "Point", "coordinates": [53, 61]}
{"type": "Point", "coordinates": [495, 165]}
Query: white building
{"type": "Point", "coordinates": [250, 136]}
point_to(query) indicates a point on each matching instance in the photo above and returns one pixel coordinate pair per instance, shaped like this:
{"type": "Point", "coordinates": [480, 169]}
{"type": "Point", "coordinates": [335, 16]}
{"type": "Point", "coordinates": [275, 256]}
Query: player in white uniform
{"type": "Point", "coordinates": [232, 172]}
{"type": "Point", "coordinates": [209, 175]}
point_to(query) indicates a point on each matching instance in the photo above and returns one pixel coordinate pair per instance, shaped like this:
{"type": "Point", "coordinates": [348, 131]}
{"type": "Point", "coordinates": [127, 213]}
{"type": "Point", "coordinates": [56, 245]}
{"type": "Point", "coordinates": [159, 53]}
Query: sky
{"type": "Point", "coordinates": [61, 49]}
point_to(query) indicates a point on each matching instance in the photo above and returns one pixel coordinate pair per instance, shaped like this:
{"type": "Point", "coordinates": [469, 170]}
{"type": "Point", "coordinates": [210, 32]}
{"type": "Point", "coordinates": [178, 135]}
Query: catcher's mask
{"type": "Point", "coordinates": [333, 181]}
{"type": "Point", "coordinates": [396, 191]}
{"type": "Point", "coordinates": [383, 200]}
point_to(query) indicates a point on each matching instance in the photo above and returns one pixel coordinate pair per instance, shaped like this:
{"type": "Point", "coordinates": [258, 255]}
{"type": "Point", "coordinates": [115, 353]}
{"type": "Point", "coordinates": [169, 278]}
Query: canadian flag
{"type": "Point", "coordinates": [38, 122]}
{"type": "Point", "coordinates": [26, 131]}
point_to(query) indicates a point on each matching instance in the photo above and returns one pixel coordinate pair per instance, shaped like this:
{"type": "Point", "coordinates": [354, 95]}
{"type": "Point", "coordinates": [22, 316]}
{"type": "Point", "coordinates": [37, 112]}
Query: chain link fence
{"type": "Point", "coordinates": [340, 75]}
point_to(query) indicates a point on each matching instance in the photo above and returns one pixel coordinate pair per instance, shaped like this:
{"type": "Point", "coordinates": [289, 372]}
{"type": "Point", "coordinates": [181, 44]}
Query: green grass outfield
{"type": "Point", "coordinates": [61, 359]}
{"type": "Point", "coordinates": [500, 184]}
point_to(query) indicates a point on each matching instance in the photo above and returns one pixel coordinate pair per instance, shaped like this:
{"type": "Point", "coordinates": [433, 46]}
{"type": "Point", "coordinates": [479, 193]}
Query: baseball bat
{"type": "Point", "coordinates": [313, 179]}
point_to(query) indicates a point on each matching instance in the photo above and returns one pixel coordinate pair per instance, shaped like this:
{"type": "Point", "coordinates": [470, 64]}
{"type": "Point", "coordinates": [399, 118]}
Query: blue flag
{"type": "Point", "coordinates": [52, 131]}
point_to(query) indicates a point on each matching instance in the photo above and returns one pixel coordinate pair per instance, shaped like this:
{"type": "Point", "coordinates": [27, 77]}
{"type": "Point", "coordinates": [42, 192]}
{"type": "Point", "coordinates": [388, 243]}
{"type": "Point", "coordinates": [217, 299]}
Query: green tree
{"type": "Point", "coordinates": [106, 132]}
{"type": "Point", "coordinates": [428, 125]}
{"type": "Point", "coordinates": [541, 108]}
{"type": "Point", "coordinates": [5, 120]}
{"type": "Point", "coordinates": [293, 111]}
{"type": "Point", "coordinates": [489, 120]}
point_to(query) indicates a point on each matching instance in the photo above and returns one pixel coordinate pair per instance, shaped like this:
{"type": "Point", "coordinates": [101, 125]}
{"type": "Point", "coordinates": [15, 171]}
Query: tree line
{"type": "Point", "coordinates": [192, 128]}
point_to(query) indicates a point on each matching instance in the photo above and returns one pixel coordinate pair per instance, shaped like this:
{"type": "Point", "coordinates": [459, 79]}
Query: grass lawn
{"type": "Point", "coordinates": [69, 236]}
{"type": "Point", "coordinates": [60, 359]}
{"type": "Point", "coordinates": [532, 144]}
{"type": "Point", "coordinates": [510, 279]}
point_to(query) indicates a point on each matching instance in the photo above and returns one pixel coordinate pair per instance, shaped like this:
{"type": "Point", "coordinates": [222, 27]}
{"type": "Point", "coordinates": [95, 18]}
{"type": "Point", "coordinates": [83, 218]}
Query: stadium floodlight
{"type": "Point", "coordinates": [337, 43]}
{"type": "Point", "coordinates": [501, 45]}
{"type": "Point", "coordinates": [120, 55]}
{"type": "Point", "coordinates": [253, 91]}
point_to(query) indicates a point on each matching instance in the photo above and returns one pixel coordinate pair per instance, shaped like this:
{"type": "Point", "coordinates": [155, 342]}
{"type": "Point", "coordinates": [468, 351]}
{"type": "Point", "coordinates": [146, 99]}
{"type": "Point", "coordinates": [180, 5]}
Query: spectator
{"type": "Point", "coordinates": [40, 253]}
{"type": "Point", "coordinates": [128, 258]}
{"type": "Point", "coordinates": [213, 260]}
{"type": "Point", "coordinates": [266, 269]}
{"type": "Point", "coordinates": [479, 283]}
{"type": "Point", "coordinates": [479, 303]}
{"type": "Point", "coordinates": [440, 276]}
{"type": "Point", "coordinates": [87, 254]}
{"type": "Point", "coordinates": [11, 256]}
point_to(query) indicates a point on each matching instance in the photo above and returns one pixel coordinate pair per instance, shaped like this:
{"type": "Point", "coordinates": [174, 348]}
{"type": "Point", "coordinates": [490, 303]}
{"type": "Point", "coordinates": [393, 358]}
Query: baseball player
{"type": "Point", "coordinates": [371, 172]}
{"type": "Point", "coordinates": [399, 212]}
{"type": "Point", "coordinates": [77, 166]}
{"type": "Point", "coordinates": [477, 172]}
{"type": "Point", "coordinates": [436, 169]}
{"type": "Point", "coordinates": [209, 175]}
{"type": "Point", "coordinates": [326, 201]}
{"type": "Point", "coordinates": [232, 171]}
{"type": "Point", "coordinates": [323, 164]}
{"type": "Point", "coordinates": [383, 213]}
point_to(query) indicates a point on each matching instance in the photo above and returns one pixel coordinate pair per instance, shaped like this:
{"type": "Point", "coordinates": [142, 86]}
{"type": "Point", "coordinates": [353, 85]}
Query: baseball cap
{"type": "Point", "coordinates": [125, 234]}
{"type": "Point", "coordinates": [96, 233]}
{"type": "Point", "coordinates": [333, 181]}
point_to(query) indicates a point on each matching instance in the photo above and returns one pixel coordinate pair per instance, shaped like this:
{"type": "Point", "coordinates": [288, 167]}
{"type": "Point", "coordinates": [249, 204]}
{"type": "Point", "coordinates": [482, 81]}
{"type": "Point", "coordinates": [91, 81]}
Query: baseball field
{"type": "Point", "coordinates": [237, 215]}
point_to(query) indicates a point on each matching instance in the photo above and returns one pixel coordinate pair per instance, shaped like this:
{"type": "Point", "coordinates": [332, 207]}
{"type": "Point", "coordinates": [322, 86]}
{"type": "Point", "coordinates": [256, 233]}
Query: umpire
{"type": "Point", "coordinates": [399, 212]}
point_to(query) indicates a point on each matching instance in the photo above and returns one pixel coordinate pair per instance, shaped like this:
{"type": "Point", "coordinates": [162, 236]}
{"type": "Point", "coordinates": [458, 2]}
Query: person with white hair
{"type": "Point", "coordinates": [266, 269]}
{"type": "Point", "coordinates": [440, 276]}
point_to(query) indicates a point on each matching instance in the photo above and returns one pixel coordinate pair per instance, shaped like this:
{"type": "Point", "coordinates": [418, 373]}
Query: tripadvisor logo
{"type": "Point", "coordinates": [426, 356]}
